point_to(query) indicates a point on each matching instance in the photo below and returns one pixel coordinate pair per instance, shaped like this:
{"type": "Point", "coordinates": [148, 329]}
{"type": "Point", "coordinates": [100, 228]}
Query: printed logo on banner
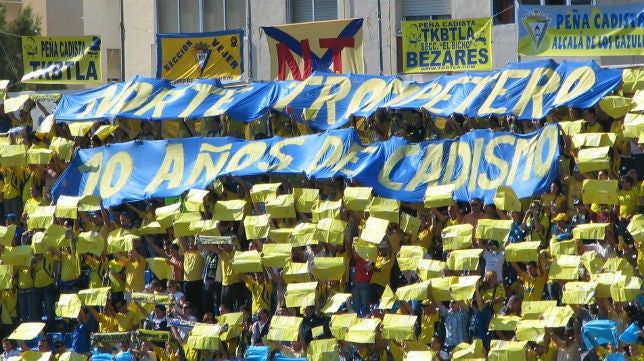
{"type": "Point", "coordinates": [536, 23]}
{"type": "Point", "coordinates": [202, 55]}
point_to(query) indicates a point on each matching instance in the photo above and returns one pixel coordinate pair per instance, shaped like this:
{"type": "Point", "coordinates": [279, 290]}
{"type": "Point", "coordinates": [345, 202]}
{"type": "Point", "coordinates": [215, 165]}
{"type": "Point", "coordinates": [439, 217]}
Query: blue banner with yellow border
{"type": "Point", "coordinates": [62, 59]}
{"type": "Point", "coordinates": [528, 90]}
{"type": "Point", "coordinates": [477, 163]}
{"type": "Point", "coordinates": [581, 30]}
{"type": "Point", "coordinates": [200, 55]}
{"type": "Point", "coordinates": [447, 45]}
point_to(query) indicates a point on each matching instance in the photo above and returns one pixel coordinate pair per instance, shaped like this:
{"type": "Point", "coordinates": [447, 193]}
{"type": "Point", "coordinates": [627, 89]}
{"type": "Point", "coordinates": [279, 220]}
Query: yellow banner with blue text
{"type": "Point", "coordinates": [62, 59]}
{"type": "Point", "coordinates": [581, 30]}
{"type": "Point", "coordinates": [200, 55]}
{"type": "Point", "coordinates": [447, 45]}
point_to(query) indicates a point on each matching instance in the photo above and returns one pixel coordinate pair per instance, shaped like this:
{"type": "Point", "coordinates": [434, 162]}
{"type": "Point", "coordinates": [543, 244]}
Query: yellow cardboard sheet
{"type": "Point", "coordinates": [557, 316]}
{"type": "Point", "coordinates": [300, 294]}
{"type": "Point", "coordinates": [330, 230]}
{"type": "Point", "coordinates": [464, 259]}
{"type": "Point", "coordinates": [530, 330]}
{"type": "Point", "coordinates": [17, 256]}
{"type": "Point", "coordinates": [257, 226]}
{"type": "Point", "coordinates": [593, 159]}
{"type": "Point", "coordinates": [7, 235]}
{"type": "Point", "coordinates": [599, 191]}
{"type": "Point", "coordinates": [494, 229]}
{"type": "Point", "coordinates": [385, 208]}
{"type": "Point", "coordinates": [505, 199]}
{"type": "Point", "coordinates": [457, 237]}
{"type": "Point", "coordinates": [94, 296]}
{"type": "Point", "coordinates": [68, 305]}
{"type": "Point", "coordinates": [294, 272]}
{"type": "Point", "coordinates": [194, 200]}
{"type": "Point", "coordinates": [503, 323]}
{"type": "Point", "coordinates": [398, 327]}
{"type": "Point", "coordinates": [430, 268]}
{"type": "Point", "coordinates": [261, 193]}
{"type": "Point", "coordinates": [333, 304]}
{"type": "Point", "coordinates": [464, 287]}
{"type": "Point", "coordinates": [363, 331]}
{"type": "Point", "coordinates": [439, 196]}
{"type": "Point", "coordinates": [532, 310]}
{"type": "Point", "coordinates": [90, 242]}
{"type": "Point", "coordinates": [247, 261]}
{"type": "Point", "coordinates": [340, 324]}
{"type": "Point", "coordinates": [579, 293]}
{"type": "Point", "coordinates": [590, 231]}
{"type": "Point", "coordinates": [415, 291]}
{"type": "Point", "coordinates": [374, 230]}
{"type": "Point", "coordinates": [522, 251]}
{"type": "Point", "coordinates": [283, 206]}
{"type": "Point", "coordinates": [409, 224]}
{"type": "Point", "coordinates": [507, 350]}
{"type": "Point", "coordinates": [27, 331]}
{"type": "Point", "coordinates": [565, 267]}
{"type": "Point", "coordinates": [328, 268]}
{"type": "Point", "coordinates": [232, 210]}
{"type": "Point", "coordinates": [305, 199]}
{"type": "Point", "coordinates": [302, 234]}
{"type": "Point", "coordinates": [284, 328]}
{"type": "Point", "coordinates": [275, 254]}
{"type": "Point", "coordinates": [357, 198]}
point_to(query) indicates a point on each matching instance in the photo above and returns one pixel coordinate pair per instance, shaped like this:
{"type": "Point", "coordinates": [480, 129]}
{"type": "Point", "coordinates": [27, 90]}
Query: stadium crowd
{"type": "Point", "coordinates": [201, 278]}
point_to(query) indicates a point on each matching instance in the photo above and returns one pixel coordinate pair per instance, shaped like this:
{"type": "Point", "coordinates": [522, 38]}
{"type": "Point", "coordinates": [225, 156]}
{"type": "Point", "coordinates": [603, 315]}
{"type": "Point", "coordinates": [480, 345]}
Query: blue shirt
{"type": "Point", "coordinates": [80, 338]}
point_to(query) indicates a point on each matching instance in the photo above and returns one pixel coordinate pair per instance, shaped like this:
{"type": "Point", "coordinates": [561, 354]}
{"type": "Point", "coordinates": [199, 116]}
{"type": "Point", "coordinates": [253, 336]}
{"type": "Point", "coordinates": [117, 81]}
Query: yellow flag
{"type": "Point", "coordinates": [385, 208]}
{"type": "Point", "coordinates": [604, 281]}
{"type": "Point", "coordinates": [67, 207]}
{"type": "Point", "coordinates": [572, 128]}
{"type": "Point", "coordinates": [503, 323]}
{"type": "Point", "coordinates": [247, 261]}
{"type": "Point", "coordinates": [302, 235]}
{"type": "Point", "coordinates": [362, 330]}
{"type": "Point", "coordinates": [366, 250]}
{"type": "Point", "coordinates": [409, 256]}
{"type": "Point", "coordinates": [430, 268]}
{"type": "Point", "coordinates": [257, 226]}
{"type": "Point", "coordinates": [579, 293]}
{"type": "Point", "coordinates": [94, 296]}
{"type": "Point", "coordinates": [592, 262]}
{"type": "Point", "coordinates": [530, 330]}
{"type": "Point", "coordinates": [17, 256]}
{"type": "Point", "coordinates": [458, 236]}
{"type": "Point", "coordinates": [616, 106]}
{"type": "Point", "coordinates": [439, 288]}
{"type": "Point", "coordinates": [194, 200]}
{"type": "Point", "coordinates": [419, 355]}
{"type": "Point", "coordinates": [590, 231]}
{"type": "Point", "coordinates": [409, 224]}
{"type": "Point", "coordinates": [118, 242]}
{"type": "Point", "coordinates": [234, 321]}
{"type": "Point", "coordinates": [39, 156]}
{"type": "Point", "coordinates": [57, 236]}
{"type": "Point", "coordinates": [232, 210]}
{"type": "Point", "coordinates": [294, 272]}
{"type": "Point", "coordinates": [558, 248]}
{"type": "Point", "coordinates": [387, 299]}
{"type": "Point", "coordinates": [533, 310]}
{"type": "Point", "coordinates": [333, 304]}
{"type": "Point", "coordinates": [13, 155]}
{"type": "Point", "coordinates": [204, 227]}
{"type": "Point", "coordinates": [204, 337]}
{"type": "Point", "coordinates": [493, 229]}
{"type": "Point", "coordinates": [63, 147]}
{"type": "Point", "coordinates": [284, 328]}
{"type": "Point", "coordinates": [68, 305]}
{"type": "Point", "coordinates": [323, 350]}
{"type": "Point", "coordinates": [339, 324]}
{"type": "Point", "coordinates": [300, 294]}
{"type": "Point", "coordinates": [280, 235]}
{"type": "Point", "coordinates": [398, 327]}
{"type": "Point", "coordinates": [464, 259]}
{"type": "Point", "coordinates": [79, 129]}
{"type": "Point", "coordinates": [152, 228]}
{"type": "Point", "coordinates": [72, 356]}
{"type": "Point", "coordinates": [557, 316]}
{"type": "Point", "coordinates": [159, 266]}
{"type": "Point", "coordinates": [636, 227]}
{"type": "Point", "coordinates": [565, 267]}
{"type": "Point", "coordinates": [6, 276]}
{"type": "Point", "coordinates": [305, 199]}
{"type": "Point", "coordinates": [618, 264]}
{"type": "Point", "coordinates": [357, 198]}
{"type": "Point", "coordinates": [634, 123]}
{"type": "Point", "coordinates": [275, 254]}
{"type": "Point", "coordinates": [89, 203]}
{"type": "Point", "coordinates": [283, 206]}
{"type": "Point", "coordinates": [593, 159]}
{"type": "Point", "coordinates": [522, 251]}
{"type": "Point", "coordinates": [261, 193]}
{"type": "Point", "coordinates": [330, 230]}
{"type": "Point", "coordinates": [328, 268]}
{"type": "Point", "coordinates": [626, 289]}
{"type": "Point", "coordinates": [464, 287]}
{"type": "Point", "coordinates": [415, 291]}
{"type": "Point", "coordinates": [505, 199]}
{"type": "Point", "coordinates": [374, 230]}
{"type": "Point", "coordinates": [90, 242]}
{"type": "Point", "coordinates": [30, 355]}
{"type": "Point", "coordinates": [182, 221]}
{"type": "Point", "coordinates": [599, 191]}
{"type": "Point", "coordinates": [439, 196]}
{"type": "Point", "coordinates": [39, 243]}
{"type": "Point", "coordinates": [7, 235]}
{"type": "Point", "coordinates": [41, 217]}
{"type": "Point", "coordinates": [165, 215]}
{"type": "Point", "coordinates": [606, 140]}
{"type": "Point", "coordinates": [27, 331]}
{"type": "Point", "coordinates": [326, 209]}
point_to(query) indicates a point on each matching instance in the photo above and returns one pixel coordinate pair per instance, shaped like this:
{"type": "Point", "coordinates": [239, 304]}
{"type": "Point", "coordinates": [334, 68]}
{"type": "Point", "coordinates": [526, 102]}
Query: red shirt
{"type": "Point", "coordinates": [362, 274]}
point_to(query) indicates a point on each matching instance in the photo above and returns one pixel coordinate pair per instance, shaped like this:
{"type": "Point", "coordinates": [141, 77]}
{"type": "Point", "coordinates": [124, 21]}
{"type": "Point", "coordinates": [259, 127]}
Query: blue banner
{"type": "Point", "coordinates": [476, 163]}
{"type": "Point", "coordinates": [527, 90]}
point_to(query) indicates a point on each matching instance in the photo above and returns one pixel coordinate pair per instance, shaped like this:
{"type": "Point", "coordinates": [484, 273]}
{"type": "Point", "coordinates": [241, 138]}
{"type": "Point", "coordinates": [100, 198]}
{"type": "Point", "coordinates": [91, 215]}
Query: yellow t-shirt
{"type": "Point", "coordinates": [229, 275]}
{"type": "Point", "coordinates": [628, 202]}
{"type": "Point", "coordinates": [193, 265]}
{"type": "Point", "coordinates": [261, 294]}
{"type": "Point", "coordinates": [8, 301]}
{"type": "Point", "coordinates": [427, 327]}
{"type": "Point", "coordinates": [127, 321]}
{"type": "Point", "coordinates": [43, 271]}
{"type": "Point", "coordinates": [107, 323]}
{"type": "Point", "coordinates": [117, 284]}
{"type": "Point", "coordinates": [382, 271]}
{"type": "Point", "coordinates": [532, 287]}
{"type": "Point", "coordinates": [69, 267]}
{"type": "Point", "coordinates": [25, 278]}
{"type": "Point", "coordinates": [13, 180]}
{"type": "Point", "coordinates": [135, 276]}
{"type": "Point", "coordinates": [489, 294]}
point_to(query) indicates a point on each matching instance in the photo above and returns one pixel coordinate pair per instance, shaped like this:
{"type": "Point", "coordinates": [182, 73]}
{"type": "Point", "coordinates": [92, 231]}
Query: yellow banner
{"type": "Point", "coordinates": [62, 59]}
{"type": "Point", "coordinates": [447, 45]}
{"type": "Point", "coordinates": [200, 55]}
{"type": "Point", "coordinates": [606, 30]}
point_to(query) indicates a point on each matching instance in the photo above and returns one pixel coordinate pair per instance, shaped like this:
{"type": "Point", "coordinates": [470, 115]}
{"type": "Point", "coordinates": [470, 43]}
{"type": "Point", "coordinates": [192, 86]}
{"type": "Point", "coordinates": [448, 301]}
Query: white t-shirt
{"type": "Point", "coordinates": [494, 262]}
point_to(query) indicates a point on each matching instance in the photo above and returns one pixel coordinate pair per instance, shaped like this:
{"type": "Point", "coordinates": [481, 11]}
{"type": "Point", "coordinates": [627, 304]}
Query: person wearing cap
{"type": "Point", "coordinates": [536, 223]}
{"type": "Point", "coordinates": [582, 214]}
{"type": "Point", "coordinates": [561, 229]}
